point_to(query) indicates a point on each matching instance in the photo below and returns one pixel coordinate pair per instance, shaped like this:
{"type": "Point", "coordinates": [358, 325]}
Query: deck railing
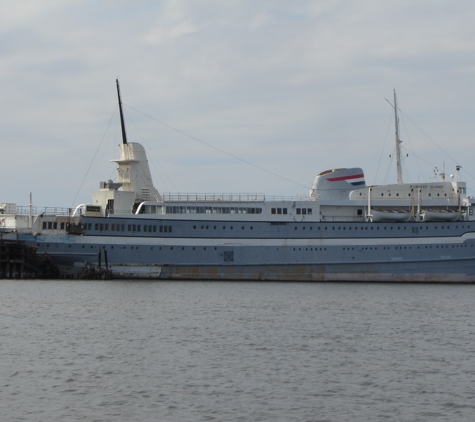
{"type": "Point", "coordinates": [25, 210]}
{"type": "Point", "coordinates": [229, 197]}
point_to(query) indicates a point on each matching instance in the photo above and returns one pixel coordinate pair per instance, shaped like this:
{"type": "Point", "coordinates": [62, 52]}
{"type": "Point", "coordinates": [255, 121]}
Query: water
{"type": "Point", "coordinates": [182, 351]}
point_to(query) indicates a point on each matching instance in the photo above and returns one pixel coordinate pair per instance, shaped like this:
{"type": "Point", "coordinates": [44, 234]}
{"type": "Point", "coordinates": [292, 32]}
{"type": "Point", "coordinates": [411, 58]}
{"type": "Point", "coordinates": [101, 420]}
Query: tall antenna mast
{"type": "Point", "coordinates": [398, 143]}
{"type": "Point", "coordinates": [122, 123]}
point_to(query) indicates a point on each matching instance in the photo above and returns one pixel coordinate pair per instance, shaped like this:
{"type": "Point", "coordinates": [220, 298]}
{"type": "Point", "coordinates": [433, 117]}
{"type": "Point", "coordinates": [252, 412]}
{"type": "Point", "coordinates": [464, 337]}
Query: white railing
{"type": "Point", "coordinates": [25, 210]}
{"type": "Point", "coordinates": [229, 197]}
{"type": "Point", "coordinates": [213, 197]}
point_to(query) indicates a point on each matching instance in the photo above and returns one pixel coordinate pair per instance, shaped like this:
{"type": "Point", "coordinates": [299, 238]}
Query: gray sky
{"type": "Point", "coordinates": [293, 87]}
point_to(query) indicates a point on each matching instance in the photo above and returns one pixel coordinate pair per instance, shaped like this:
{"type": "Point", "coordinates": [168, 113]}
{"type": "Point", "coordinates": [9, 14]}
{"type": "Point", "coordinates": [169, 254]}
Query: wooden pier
{"type": "Point", "coordinates": [18, 260]}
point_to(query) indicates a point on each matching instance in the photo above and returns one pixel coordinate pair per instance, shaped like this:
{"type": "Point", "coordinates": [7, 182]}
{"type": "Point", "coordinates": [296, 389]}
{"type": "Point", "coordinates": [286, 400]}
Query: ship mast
{"type": "Point", "coordinates": [122, 123]}
{"type": "Point", "coordinates": [398, 143]}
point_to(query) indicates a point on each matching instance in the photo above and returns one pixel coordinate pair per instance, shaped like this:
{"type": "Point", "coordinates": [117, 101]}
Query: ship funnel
{"type": "Point", "coordinates": [337, 183]}
{"type": "Point", "coordinates": [134, 173]}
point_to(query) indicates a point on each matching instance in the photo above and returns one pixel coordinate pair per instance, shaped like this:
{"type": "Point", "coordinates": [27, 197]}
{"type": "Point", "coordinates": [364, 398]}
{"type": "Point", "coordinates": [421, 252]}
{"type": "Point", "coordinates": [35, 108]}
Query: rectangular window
{"type": "Point", "coordinates": [101, 227]}
{"type": "Point", "coordinates": [284, 211]}
{"type": "Point", "coordinates": [154, 229]}
{"type": "Point", "coordinates": [165, 229]}
{"type": "Point", "coordinates": [44, 225]}
{"type": "Point", "coordinates": [96, 226]}
{"type": "Point", "coordinates": [55, 225]}
{"type": "Point", "coordinates": [304, 211]}
{"type": "Point", "coordinates": [309, 211]}
{"type": "Point", "coordinates": [129, 227]}
{"type": "Point", "coordinates": [273, 211]}
{"type": "Point", "coordinates": [50, 225]}
{"type": "Point", "coordinates": [138, 227]}
{"type": "Point", "coordinates": [169, 229]}
{"type": "Point", "coordinates": [62, 226]}
{"type": "Point", "coordinates": [298, 211]}
{"type": "Point", "coordinates": [106, 227]}
{"type": "Point", "coordinates": [279, 210]}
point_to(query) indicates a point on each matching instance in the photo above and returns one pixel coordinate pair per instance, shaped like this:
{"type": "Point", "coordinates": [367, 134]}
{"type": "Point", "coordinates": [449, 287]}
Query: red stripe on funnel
{"type": "Point", "coordinates": [354, 176]}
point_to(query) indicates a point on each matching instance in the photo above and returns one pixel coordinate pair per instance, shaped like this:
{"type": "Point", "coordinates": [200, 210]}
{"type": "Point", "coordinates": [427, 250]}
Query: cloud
{"type": "Point", "coordinates": [294, 87]}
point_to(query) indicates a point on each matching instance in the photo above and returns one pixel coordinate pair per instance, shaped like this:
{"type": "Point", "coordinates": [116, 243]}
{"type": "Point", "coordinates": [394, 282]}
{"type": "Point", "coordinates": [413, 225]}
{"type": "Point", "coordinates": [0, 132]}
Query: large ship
{"type": "Point", "coordinates": [344, 230]}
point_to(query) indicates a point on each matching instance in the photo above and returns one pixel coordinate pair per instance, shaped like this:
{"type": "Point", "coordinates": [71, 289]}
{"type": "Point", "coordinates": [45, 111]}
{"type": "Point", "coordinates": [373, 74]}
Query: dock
{"type": "Point", "coordinates": [20, 261]}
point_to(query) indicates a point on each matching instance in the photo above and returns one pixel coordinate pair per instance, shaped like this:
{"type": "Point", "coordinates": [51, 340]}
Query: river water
{"type": "Point", "coordinates": [212, 351]}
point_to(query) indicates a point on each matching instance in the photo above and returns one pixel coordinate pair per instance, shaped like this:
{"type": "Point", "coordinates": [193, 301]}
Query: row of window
{"type": "Point", "coordinates": [179, 209]}
{"type": "Point", "coordinates": [53, 225]}
{"type": "Point", "coordinates": [278, 211]}
{"type": "Point", "coordinates": [462, 190]}
{"type": "Point", "coordinates": [299, 211]}
{"type": "Point", "coordinates": [149, 228]}
{"type": "Point", "coordinates": [146, 228]}
{"type": "Point", "coordinates": [307, 249]}
{"type": "Point", "coordinates": [304, 211]}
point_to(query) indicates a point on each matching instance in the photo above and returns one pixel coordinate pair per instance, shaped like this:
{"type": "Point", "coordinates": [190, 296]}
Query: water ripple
{"type": "Point", "coordinates": [141, 351]}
